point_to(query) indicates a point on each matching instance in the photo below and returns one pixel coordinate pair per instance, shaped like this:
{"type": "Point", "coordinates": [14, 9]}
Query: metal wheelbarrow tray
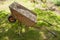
{"type": "Point", "coordinates": [22, 14]}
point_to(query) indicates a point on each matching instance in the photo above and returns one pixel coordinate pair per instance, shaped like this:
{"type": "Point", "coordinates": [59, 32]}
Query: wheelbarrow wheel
{"type": "Point", "coordinates": [11, 19]}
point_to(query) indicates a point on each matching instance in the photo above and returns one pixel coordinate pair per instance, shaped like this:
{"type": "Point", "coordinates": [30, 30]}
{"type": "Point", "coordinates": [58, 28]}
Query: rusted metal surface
{"type": "Point", "coordinates": [23, 14]}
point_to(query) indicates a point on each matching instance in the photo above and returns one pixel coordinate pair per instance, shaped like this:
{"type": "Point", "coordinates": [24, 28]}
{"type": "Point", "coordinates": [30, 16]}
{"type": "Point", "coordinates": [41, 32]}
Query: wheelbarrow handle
{"type": "Point", "coordinates": [53, 33]}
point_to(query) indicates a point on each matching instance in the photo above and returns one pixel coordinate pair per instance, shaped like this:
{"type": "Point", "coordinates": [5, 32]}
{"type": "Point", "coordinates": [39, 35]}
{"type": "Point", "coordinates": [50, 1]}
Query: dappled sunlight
{"type": "Point", "coordinates": [18, 31]}
{"type": "Point", "coordinates": [10, 31]}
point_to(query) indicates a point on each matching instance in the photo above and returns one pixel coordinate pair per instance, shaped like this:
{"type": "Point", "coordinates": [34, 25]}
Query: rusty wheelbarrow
{"type": "Point", "coordinates": [22, 14]}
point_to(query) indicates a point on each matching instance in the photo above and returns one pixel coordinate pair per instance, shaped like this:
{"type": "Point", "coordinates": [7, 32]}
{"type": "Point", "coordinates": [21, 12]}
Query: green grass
{"type": "Point", "coordinates": [56, 2]}
{"type": "Point", "coordinates": [11, 31]}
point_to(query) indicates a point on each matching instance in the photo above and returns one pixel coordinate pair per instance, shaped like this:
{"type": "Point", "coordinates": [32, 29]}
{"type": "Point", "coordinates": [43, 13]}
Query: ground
{"type": "Point", "coordinates": [11, 31]}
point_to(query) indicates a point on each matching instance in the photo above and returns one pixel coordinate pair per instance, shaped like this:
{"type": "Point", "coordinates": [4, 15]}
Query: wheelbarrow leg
{"type": "Point", "coordinates": [26, 29]}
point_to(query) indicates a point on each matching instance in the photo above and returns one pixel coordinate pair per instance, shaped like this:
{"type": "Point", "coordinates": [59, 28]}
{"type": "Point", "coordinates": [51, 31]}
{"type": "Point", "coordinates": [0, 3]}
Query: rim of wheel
{"type": "Point", "coordinates": [11, 19]}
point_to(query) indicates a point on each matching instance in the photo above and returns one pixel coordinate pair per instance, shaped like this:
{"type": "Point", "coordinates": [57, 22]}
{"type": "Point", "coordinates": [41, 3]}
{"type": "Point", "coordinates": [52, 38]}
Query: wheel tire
{"type": "Point", "coordinates": [11, 19]}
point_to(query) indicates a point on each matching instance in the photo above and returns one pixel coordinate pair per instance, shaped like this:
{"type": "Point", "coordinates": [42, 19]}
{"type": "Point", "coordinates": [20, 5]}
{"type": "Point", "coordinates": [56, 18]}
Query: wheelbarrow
{"type": "Point", "coordinates": [22, 14]}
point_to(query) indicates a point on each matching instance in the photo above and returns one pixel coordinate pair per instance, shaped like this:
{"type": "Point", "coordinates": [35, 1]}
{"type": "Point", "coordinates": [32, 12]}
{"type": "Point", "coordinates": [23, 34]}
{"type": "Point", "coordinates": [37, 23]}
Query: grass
{"type": "Point", "coordinates": [11, 31]}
